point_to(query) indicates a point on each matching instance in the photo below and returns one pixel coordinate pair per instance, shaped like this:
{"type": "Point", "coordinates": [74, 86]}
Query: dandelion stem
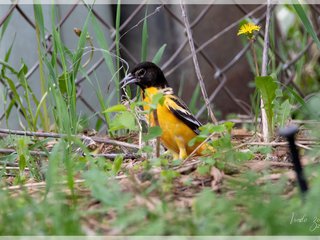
{"type": "Point", "coordinates": [254, 57]}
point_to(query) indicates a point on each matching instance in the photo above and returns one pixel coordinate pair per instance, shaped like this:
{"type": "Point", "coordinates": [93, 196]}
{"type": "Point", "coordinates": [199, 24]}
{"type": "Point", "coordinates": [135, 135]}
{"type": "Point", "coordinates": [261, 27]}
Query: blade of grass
{"type": "Point", "coordinates": [194, 99]}
{"type": "Point", "coordinates": [98, 90]}
{"type": "Point", "coordinates": [306, 22]}
{"type": "Point", "coordinates": [102, 41]}
{"type": "Point", "coordinates": [38, 110]}
{"type": "Point", "coordinates": [7, 56]}
{"type": "Point", "coordinates": [26, 94]}
{"type": "Point", "coordinates": [76, 63]}
{"type": "Point", "coordinates": [118, 22]}
{"type": "Point", "coordinates": [144, 42]}
{"type": "Point", "coordinates": [157, 58]}
{"type": "Point", "coordinates": [5, 26]}
{"type": "Point", "coordinates": [40, 35]}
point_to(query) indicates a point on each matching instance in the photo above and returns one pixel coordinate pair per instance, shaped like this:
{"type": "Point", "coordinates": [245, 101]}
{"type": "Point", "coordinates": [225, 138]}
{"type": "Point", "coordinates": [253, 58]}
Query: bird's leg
{"type": "Point", "coordinates": [175, 155]}
{"type": "Point", "coordinates": [182, 147]}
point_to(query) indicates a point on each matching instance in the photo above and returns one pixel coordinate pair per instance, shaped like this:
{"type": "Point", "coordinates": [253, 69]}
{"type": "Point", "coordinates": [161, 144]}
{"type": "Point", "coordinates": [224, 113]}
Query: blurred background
{"type": "Point", "coordinates": [224, 58]}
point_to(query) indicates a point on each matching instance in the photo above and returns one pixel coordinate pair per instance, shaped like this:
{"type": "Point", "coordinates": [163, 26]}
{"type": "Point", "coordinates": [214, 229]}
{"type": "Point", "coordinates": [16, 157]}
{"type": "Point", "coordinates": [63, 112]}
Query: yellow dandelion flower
{"type": "Point", "coordinates": [248, 29]}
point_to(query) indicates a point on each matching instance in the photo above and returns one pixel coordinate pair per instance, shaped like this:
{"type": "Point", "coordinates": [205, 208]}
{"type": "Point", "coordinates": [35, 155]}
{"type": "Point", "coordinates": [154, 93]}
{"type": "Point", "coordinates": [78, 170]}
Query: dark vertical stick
{"type": "Point", "coordinates": [290, 132]}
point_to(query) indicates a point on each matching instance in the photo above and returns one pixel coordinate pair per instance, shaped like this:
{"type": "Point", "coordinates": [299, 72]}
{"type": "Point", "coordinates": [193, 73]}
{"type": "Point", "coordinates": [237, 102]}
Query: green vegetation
{"type": "Point", "coordinates": [60, 185]}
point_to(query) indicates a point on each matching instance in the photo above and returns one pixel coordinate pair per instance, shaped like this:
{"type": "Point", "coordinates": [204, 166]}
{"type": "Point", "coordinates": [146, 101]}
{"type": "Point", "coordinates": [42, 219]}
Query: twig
{"type": "Point", "coordinates": [187, 167]}
{"type": "Point", "coordinates": [37, 185]}
{"type": "Point", "coordinates": [196, 63]}
{"type": "Point", "coordinates": [43, 184]}
{"type": "Point", "coordinates": [199, 146]}
{"type": "Point", "coordinates": [58, 135]}
{"type": "Point", "coordinates": [35, 153]}
{"type": "Point", "coordinates": [299, 143]}
{"type": "Point", "coordinates": [303, 146]}
{"type": "Point", "coordinates": [13, 168]}
{"type": "Point", "coordinates": [266, 132]}
{"type": "Point", "coordinates": [215, 37]}
{"type": "Point", "coordinates": [45, 154]}
{"type": "Point", "coordinates": [248, 119]}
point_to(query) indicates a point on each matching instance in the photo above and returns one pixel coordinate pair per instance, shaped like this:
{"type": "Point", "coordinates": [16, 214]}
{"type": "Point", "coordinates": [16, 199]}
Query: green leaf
{"type": "Point", "coordinates": [63, 80]}
{"type": "Point", "coordinates": [284, 113]}
{"type": "Point", "coordinates": [210, 128]}
{"type": "Point", "coordinates": [7, 56]}
{"type": "Point", "coordinates": [157, 99]}
{"type": "Point", "coordinates": [58, 152]}
{"type": "Point", "coordinates": [144, 43]}
{"type": "Point", "coordinates": [124, 120]}
{"type": "Point", "coordinates": [117, 42]}
{"type": "Point", "coordinates": [4, 26]}
{"type": "Point", "coordinates": [106, 189]}
{"type": "Point", "coordinates": [194, 99]}
{"type": "Point", "coordinates": [203, 169]}
{"type": "Point", "coordinates": [153, 132]}
{"type": "Point", "coordinates": [196, 139]}
{"type": "Point", "coordinates": [229, 126]}
{"type": "Point", "coordinates": [244, 156]}
{"type": "Point", "coordinates": [169, 174]}
{"type": "Point", "coordinates": [146, 149]}
{"type": "Point", "coordinates": [296, 96]}
{"type": "Point", "coordinates": [116, 167]}
{"type": "Point", "coordinates": [6, 65]}
{"type": "Point", "coordinates": [127, 120]}
{"type": "Point", "coordinates": [157, 58]}
{"type": "Point", "coordinates": [76, 61]}
{"type": "Point", "coordinates": [16, 96]}
{"type": "Point", "coordinates": [102, 41]}
{"type": "Point", "coordinates": [38, 14]}
{"type": "Point", "coordinates": [267, 87]}
{"type": "Point", "coordinates": [38, 110]}
{"type": "Point", "coordinates": [23, 152]}
{"type": "Point", "coordinates": [306, 22]}
{"type": "Point", "coordinates": [116, 108]}
{"type": "Point", "coordinates": [261, 149]}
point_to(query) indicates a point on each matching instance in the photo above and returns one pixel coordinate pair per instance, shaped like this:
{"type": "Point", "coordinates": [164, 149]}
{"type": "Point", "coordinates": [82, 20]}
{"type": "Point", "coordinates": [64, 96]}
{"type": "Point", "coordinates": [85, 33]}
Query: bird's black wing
{"type": "Point", "coordinates": [182, 112]}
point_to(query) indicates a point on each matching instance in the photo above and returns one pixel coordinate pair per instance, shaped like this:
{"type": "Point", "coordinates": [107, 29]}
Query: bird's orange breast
{"type": "Point", "coordinates": [175, 133]}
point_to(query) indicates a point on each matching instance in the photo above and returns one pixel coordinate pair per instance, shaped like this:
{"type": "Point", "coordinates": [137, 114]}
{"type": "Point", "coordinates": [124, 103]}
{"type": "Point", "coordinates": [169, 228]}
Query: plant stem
{"type": "Point", "coordinates": [46, 119]}
{"type": "Point", "coordinates": [264, 119]}
{"type": "Point", "coordinates": [254, 57]}
{"type": "Point", "coordinates": [267, 129]}
{"type": "Point", "coordinates": [196, 63]}
{"type": "Point", "coordinates": [117, 41]}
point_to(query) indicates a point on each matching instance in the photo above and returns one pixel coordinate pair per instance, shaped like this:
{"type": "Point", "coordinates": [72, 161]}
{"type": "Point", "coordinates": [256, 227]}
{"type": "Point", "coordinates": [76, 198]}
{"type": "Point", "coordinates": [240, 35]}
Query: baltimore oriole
{"type": "Point", "coordinates": [178, 124]}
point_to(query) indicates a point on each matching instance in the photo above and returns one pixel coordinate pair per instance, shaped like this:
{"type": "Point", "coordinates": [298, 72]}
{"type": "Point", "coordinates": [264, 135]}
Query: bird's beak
{"type": "Point", "coordinates": [128, 80]}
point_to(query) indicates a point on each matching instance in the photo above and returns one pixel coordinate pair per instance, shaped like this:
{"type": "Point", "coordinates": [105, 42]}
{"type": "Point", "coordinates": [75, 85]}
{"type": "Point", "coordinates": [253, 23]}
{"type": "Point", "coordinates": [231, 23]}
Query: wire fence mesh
{"type": "Point", "coordinates": [221, 53]}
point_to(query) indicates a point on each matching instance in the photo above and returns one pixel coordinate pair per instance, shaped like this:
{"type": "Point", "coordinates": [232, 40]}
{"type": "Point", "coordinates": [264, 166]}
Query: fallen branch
{"type": "Point", "coordinates": [58, 135]}
{"type": "Point", "coordinates": [301, 143]}
{"type": "Point", "coordinates": [106, 155]}
{"type": "Point", "coordinates": [43, 184]}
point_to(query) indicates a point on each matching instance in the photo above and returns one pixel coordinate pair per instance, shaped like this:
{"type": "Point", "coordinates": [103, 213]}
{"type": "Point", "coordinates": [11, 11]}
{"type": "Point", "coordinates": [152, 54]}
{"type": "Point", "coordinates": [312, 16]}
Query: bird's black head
{"type": "Point", "coordinates": [145, 75]}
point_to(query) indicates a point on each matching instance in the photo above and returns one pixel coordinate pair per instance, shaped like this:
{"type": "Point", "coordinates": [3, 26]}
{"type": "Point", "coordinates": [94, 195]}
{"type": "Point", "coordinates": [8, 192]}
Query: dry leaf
{"type": "Point", "coordinates": [291, 175]}
{"type": "Point", "coordinates": [217, 176]}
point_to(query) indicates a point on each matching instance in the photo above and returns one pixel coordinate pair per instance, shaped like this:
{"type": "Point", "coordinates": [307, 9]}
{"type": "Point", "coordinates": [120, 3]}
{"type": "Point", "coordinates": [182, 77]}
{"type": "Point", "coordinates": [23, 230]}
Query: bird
{"type": "Point", "coordinates": [173, 116]}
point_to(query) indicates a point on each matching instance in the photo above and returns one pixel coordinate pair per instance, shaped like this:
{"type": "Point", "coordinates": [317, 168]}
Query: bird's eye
{"type": "Point", "coordinates": [141, 73]}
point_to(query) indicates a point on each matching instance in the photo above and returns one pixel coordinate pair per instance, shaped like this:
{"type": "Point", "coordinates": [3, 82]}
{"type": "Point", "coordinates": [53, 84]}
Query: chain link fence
{"type": "Point", "coordinates": [222, 55]}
